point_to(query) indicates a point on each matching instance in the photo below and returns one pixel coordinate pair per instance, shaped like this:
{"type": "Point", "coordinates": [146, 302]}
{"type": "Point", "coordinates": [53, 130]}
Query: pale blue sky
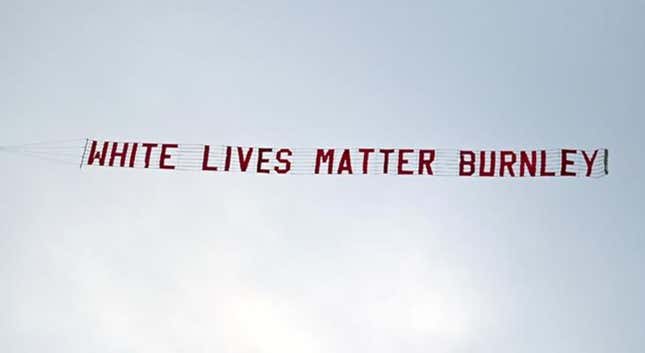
{"type": "Point", "coordinates": [104, 260]}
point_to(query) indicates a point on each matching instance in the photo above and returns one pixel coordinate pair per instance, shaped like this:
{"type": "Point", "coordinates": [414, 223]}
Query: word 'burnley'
{"type": "Point", "coordinates": [348, 161]}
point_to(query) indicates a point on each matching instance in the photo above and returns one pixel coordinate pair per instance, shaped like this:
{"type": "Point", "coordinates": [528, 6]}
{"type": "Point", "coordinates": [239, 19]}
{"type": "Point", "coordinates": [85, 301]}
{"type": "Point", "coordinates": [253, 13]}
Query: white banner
{"type": "Point", "coordinates": [426, 161]}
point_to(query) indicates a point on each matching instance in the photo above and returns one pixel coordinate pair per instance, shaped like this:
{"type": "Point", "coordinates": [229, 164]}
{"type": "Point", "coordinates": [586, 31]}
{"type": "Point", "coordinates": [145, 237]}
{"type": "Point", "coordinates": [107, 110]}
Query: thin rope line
{"type": "Point", "coordinates": [41, 143]}
{"type": "Point", "coordinates": [33, 155]}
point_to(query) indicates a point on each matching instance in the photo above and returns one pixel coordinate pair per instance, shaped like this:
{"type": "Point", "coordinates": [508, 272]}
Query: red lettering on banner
{"type": "Point", "coordinates": [164, 156]}
{"type": "Point", "coordinates": [121, 155]}
{"type": "Point", "coordinates": [94, 154]}
{"type": "Point", "coordinates": [205, 166]}
{"type": "Point", "coordinates": [543, 171]}
{"type": "Point", "coordinates": [148, 147]}
{"type": "Point", "coordinates": [426, 162]}
{"type": "Point", "coordinates": [133, 154]}
{"type": "Point", "coordinates": [482, 163]}
{"type": "Point", "coordinates": [402, 161]}
{"type": "Point", "coordinates": [525, 163]}
{"type": "Point", "coordinates": [409, 161]}
{"type": "Point", "coordinates": [463, 163]}
{"type": "Point", "coordinates": [588, 161]}
{"type": "Point", "coordinates": [386, 159]}
{"type": "Point", "coordinates": [505, 164]}
{"type": "Point", "coordinates": [324, 157]}
{"type": "Point", "coordinates": [564, 162]}
{"type": "Point", "coordinates": [244, 160]}
{"type": "Point", "coordinates": [227, 159]}
{"type": "Point", "coordinates": [283, 160]}
{"type": "Point", "coordinates": [345, 163]}
{"type": "Point", "coordinates": [366, 153]}
{"type": "Point", "coordinates": [261, 160]}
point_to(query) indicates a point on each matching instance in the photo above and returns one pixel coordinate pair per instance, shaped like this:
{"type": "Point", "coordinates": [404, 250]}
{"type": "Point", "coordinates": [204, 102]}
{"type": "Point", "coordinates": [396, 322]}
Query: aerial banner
{"type": "Point", "coordinates": [401, 161]}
